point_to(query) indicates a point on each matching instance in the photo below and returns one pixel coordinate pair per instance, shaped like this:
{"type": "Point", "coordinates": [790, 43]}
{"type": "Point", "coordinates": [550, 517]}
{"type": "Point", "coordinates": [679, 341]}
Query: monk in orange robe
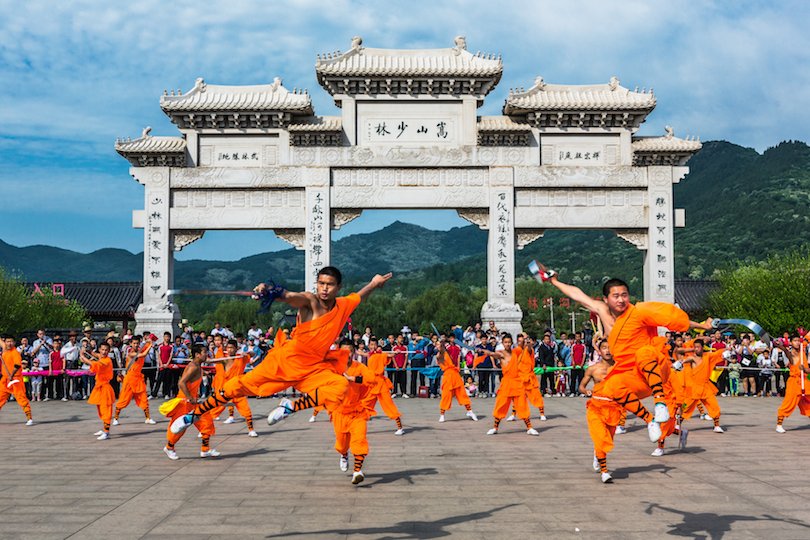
{"type": "Point", "coordinates": [381, 391]}
{"type": "Point", "coordinates": [188, 392]}
{"type": "Point", "coordinates": [452, 385]}
{"type": "Point", "coordinates": [531, 385]}
{"type": "Point", "coordinates": [602, 413]}
{"type": "Point", "coordinates": [103, 395]}
{"type": "Point", "coordinates": [795, 388]}
{"type": "Point", "coordinates": [703, 389]}
{"type": "Point", "coordinates": [299, 361]}
{"type": "Point", "coordinates": [11, 379]}
{"type": "Point", "coordinates": [133, 386]}
{"type": "Point", "coordinates": [230, 369]}
{"type": "Point", "coordinates": [350, 418]}
{"type": "Point", "coordinates": [511, 389]}
{"type": "Point", "coordinates": [629, 327]}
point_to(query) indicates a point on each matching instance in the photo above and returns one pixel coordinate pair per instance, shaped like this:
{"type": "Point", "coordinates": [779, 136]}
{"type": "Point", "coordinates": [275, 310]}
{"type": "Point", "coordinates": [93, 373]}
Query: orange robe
{"type": "Point", "coordinates": [703, 389]}
{"type": "Point", "coordinates": [452, 385]}
{"type": "Point", "coordinates": [204, 423]}
{"type": "Point", "coordinates": [13, 360]}
{"type": "Point", "coordinates": [350, 418]}
{"type": "Point", "coordinates": [300, 361]}
{"type": "Point", "coordinates": [637, 327]}
{"type": "Point", "coordinates": [511, 389]}
{"type": "Point", "coordinates": [795, 395]}
{"type": "Point", "coordinates": [381, 391]}
{"type": "Point", "coordinates": [103, 395]}
{"type": "Point", "coordinates": [531, 385]}
{"type": "Point", "coordinates": [134, 386]}
{"type": "Point", "coordinates": [236, 369]}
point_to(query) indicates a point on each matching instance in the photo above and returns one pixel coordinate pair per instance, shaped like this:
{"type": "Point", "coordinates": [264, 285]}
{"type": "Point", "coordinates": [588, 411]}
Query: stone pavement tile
{"type": "Point", "coordinates": [439, 479]}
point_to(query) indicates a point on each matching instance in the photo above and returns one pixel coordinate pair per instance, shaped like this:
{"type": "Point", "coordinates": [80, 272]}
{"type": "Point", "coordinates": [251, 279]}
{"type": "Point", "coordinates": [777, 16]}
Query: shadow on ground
{"type": "Point", "coordinates": [708, 525]}
{"type": "Point", "coordinates": [404, 530]}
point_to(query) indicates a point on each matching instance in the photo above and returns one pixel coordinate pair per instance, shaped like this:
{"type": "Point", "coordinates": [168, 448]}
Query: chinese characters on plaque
{"type": "Point", "coordinates": [318, 233]}
{"type": "Point", "coordinates": [579, 155]}
{"type": "Point", "coordinates": [503, 247]}
{"type": "Point", "coordinates": [155, 250]}
{"type": "Point", "coordinates": [659, 244]}
{"type": "Point", "coordinates": [410, 130]}
{"type": "Point", "coordinates": [236, 157]}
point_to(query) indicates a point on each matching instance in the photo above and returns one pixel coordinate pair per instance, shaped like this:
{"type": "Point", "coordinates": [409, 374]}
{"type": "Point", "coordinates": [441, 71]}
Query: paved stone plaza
{"type": "Point", "coordinates": [439, 480]}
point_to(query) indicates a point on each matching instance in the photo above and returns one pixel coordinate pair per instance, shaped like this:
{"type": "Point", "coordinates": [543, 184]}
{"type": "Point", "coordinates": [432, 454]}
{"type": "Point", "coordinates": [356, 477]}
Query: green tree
{"type": "Point", "coordinates": [382, 311]}
{"type": "Point", "coordinates": [775, 292]}
{"type": "Point", "coordinates": [22, 311]}
{"type": "Point", "coordinates": [444, 305]}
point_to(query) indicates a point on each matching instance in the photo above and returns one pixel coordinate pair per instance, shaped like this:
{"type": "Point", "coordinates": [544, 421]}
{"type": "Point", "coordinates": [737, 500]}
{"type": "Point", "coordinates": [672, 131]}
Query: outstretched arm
{"type": "Point", "coordinates": [376, 282]}
{"type": "Point", "coordinates": [577, 295]}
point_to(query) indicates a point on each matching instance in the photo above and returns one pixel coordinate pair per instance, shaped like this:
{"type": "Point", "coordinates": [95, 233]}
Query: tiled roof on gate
{"type": "Point", "coordinates": [593, 97]}
{"type": "Point", "coordinates": [102, 300]}
{"type": "Point", "coordinates": [218, 98]}
{"type": "Point", "coordinates": [693, 295]}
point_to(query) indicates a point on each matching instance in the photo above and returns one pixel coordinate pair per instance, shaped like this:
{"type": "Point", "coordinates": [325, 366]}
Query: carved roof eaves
{"type": "Point", "coordinates": [595, 97]}
{"type": "Point", "coordinates": [205, 97]}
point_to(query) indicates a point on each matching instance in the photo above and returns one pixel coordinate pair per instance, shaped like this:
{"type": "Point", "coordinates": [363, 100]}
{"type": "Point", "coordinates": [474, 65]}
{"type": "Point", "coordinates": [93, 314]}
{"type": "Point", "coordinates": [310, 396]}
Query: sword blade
{"type": "Point", "coordinates": [212, 292]}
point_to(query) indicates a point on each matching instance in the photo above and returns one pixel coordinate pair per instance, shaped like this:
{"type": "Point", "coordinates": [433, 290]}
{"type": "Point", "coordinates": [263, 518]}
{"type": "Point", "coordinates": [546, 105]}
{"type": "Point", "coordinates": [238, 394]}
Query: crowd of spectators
{"type": "Point", "coordinates": [751, 367]}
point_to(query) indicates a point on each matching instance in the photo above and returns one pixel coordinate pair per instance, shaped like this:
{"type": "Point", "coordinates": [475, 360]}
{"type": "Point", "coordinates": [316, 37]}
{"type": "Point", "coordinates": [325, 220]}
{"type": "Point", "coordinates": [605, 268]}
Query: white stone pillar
{"type": "Point", "coordinates": [317, 251]}
{"type": "Point", "coordinates": [500, 306]}
{"type": "Point", "coordinates": [156, 314]}
{"type": "Point", "coordinates": [659, 261]}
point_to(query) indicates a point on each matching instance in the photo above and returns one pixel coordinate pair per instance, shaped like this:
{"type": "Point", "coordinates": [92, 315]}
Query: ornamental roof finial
{"type": "Point", "coordinates": [614, 83]}
{"type": "Point", "coordinates": [460, 44]}
{"type": "Point", "coordinates": [539, 83]}
{"type": "Point", "coordinates": [146, 131]}
{"type": "Point", "coordinates": [669, 132]}
{"type": "Point", "coordinates": [357, 43]}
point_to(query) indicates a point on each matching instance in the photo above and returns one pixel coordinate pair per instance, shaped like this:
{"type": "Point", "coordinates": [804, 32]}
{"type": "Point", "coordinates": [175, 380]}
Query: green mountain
{"type": "Point", "coordinates": [740, 206]}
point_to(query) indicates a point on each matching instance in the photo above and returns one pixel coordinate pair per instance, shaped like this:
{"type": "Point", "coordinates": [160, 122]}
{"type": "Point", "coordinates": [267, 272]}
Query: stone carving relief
{"type": "Point", "coordinates": [660, 176]}
{"type": "Point", "coordinates": [183, 238]}
{"type": "Point", "coordinates": [274, 198]}
{"type": "Point", "coordinates": [476, 216]}
{"type": "Point", "coordinates": [342, 217]}
{"type": "Point", "coordinates": [428, 156]}
{"type": "Point", "coordinates": [410, 177]}
{"type": "Point", "coordinates": [637, 238]}
{"type": "Point", "coordinates": [580, 197]}
{"type": "Point", "coordinates": [524, 237]}
{"type": "Point", "coordinates": [219, 177]}
{"type": "Point", "coordinates": [296, 237]}
{"type": "Point", "coordinates": [548, 176]}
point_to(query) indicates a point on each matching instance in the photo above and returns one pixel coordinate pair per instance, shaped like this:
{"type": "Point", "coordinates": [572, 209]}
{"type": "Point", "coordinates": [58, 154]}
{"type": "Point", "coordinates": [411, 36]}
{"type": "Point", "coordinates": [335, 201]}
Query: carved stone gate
{"type": "Point", "coordinates": [408, 137]}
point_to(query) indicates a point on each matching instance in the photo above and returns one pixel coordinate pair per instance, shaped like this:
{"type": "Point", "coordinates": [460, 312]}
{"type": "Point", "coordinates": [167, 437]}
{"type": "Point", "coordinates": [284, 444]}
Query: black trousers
{"type": "Point", "coordinates": [547, 382]}
{"type": "Point", "coordinates": [576, 378]}
{"type": "Point", "coordinates": [400, 380]}
{"type": "Point", "coordinates": [417, 363]}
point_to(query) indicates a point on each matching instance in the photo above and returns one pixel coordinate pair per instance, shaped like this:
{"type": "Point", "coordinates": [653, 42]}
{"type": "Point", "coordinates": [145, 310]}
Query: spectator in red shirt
{"type": "Point", "coordinates": [56, 370]}
{"type": "Point", "coordinates": [165, 373]}
{"type": "Point", "coordinates": [399, 362]}
{"type": "Point", "coordinates": [577, 363]}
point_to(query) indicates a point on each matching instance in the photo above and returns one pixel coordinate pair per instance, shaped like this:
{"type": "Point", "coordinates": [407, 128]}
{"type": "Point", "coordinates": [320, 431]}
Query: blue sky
{"type": "Point", "coordinates": [76, 75]}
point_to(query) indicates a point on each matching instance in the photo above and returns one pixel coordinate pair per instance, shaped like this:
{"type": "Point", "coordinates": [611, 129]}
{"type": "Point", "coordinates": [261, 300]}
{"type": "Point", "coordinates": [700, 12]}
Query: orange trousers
{"type": "Point", "coordinates": [793, 398]}
{"type": "Point", "coordinates": [273, 375]}
{"type": "Point", "coordinates": [709, 401]}
{"type": "Point", "coordinates": [350, 433]}
{"type": "Point", "coordinates": [535, 397]}
{"type": "Point", "coordinates": [520, 403]}
{"type": "Point", "coordinates": [603, 416]}
{"type": "Point", "coordinates": [458, 393]}
{"type": "Point", "coordinates": [628, 388]}
{"type": "Point", "coordinates": [241, 405]}
{"type": "Point", "coordinates": [127, 395]}
{"type": "Point", "coordinates": [386, 402]}
{"type": "Point", "coordinates": [18, 391]}
{"type": "Point", "coordinates": [204, 424]}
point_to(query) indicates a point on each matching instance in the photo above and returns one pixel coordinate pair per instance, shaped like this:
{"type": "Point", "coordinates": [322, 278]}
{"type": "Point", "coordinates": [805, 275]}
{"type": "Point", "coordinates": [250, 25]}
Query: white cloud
{"type": "Point", "coordinates": [74, 75]}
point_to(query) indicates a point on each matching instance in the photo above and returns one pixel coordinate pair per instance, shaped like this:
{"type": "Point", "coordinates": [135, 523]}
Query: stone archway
{"type": "Point", "coordinates": [257, 157]}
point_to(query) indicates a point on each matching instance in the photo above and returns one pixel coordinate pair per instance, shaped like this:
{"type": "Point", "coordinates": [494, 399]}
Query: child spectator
{"type": "Point", "coordinates": [36, 383]}
{"type": "Point", "coordinates": [734, 372]}
{"type": "Point", "coordinates": [472, 389]}
{"type": "Point", "coordinates": [560, 380]}
{"type": "Point", "coordinates": [766, 372]}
